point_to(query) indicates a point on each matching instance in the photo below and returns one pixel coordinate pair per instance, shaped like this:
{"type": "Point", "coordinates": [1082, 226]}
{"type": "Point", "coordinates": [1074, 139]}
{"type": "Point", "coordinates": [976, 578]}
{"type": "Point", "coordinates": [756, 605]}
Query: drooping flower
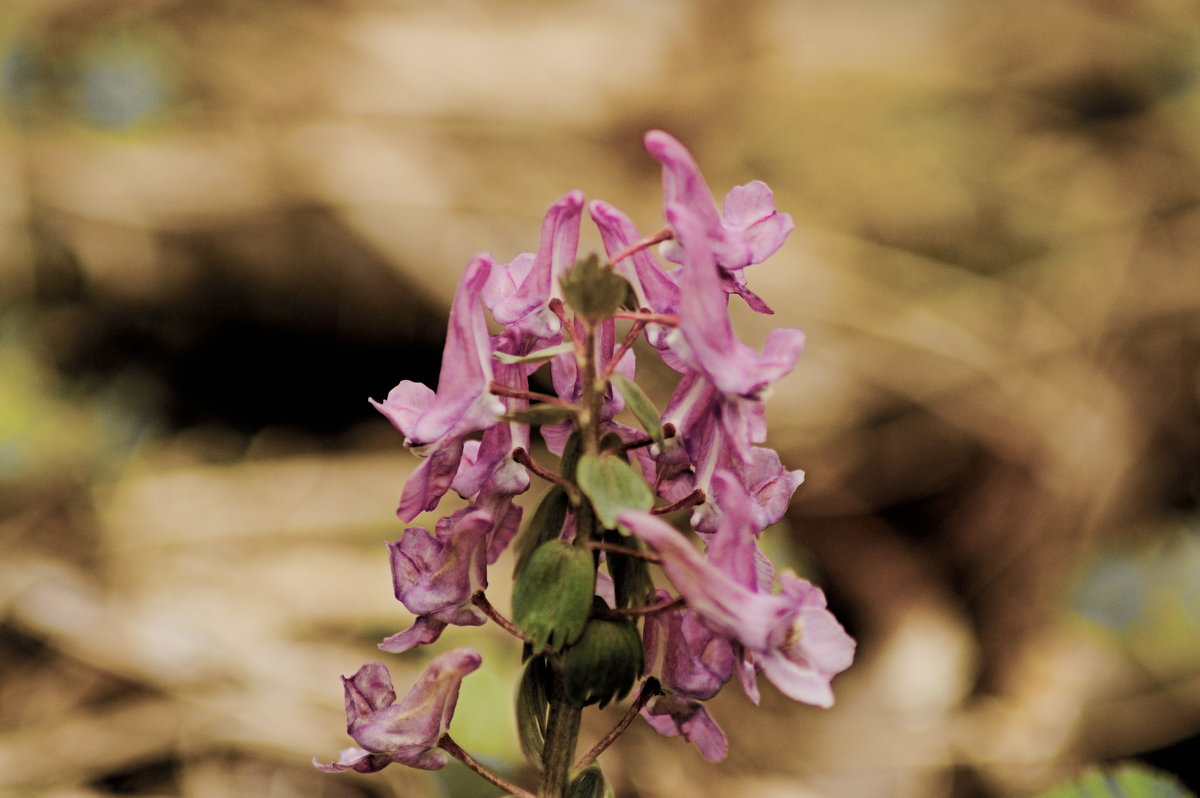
{"type": "Point", "coordinates": [437, 424]}
{"type": "Point", "coordinates": [672, 715]}
{"type": "Point", "coordinates": [751, 231]}
{"type": "Point", "coordinates": [691, 663]}
{"type": "Point", "coordinates": [406, 733]}
{"type": "Point", "coordinates": [436, 576]}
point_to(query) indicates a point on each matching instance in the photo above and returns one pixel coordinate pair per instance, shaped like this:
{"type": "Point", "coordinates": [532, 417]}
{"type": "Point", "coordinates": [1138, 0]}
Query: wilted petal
{"type": "Point", "coordinates": [424, 630]}
{"type": "Point", "coordinates": [696, 661]}
{"type": "Point", "coordinates": [671, 716]}
{"type": "Point", "coordinates": [405, 732]}
{"type": "Point", "coordinates": [430, 480]}
{"type": "Point", "coordinates": [433, 573]}
{"type": "Point", "coordinates": [354, 759]}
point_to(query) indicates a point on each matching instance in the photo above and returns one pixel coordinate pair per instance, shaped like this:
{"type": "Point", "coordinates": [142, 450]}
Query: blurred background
{"type": "Point", "coordinates": [224, 225]}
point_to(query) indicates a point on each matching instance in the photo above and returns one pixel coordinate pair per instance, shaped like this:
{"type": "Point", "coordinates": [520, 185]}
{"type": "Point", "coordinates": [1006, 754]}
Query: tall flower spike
{"type": "Point", "coordinates": [406, 733]}
{"type": "Point", "coordinates": [437, 424]}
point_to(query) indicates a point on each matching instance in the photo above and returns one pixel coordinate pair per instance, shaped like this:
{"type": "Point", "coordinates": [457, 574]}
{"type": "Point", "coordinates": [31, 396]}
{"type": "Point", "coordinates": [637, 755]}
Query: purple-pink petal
{"type": "Point", "coordinates": [433, 573]}
{"type": "Point", "coordinates": [406, 732]}
{"type": "Point", "coordinates": [522, 288]}
{"type": "Point", "coordinates": [672, 715]}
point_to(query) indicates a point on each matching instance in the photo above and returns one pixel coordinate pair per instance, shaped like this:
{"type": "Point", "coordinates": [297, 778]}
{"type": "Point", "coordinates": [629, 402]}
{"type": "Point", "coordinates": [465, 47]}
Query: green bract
{"type": "Point", "coordinates": [604, 663]}
{"type": "Point", "coordinates": [589, 783]}
{"type": "Point", "coordinates": [613, 486]}
{"type": "Point", "coordinates": [533, 706]}
{"type": "Point", "coordinates": [553, 594]}
{"type": "Point", "coordinates": [594, 290]}
{"type": "Point", "coordinates": [545, 524]}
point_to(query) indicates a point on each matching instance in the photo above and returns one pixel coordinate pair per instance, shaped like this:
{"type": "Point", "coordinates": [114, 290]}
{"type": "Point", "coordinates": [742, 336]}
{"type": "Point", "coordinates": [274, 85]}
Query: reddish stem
{"type": "Point", "coordinates": [453, 749]}
{"type": "Point", "coordinates": [481, 601]}
{"type": "Point", "coordinates": [648, 317]}
{"type": "Point", "coordinates": [600, 545]}
{"type": "Point", "coordinates": [499, 389]}
{"type": "Point", "coordinates": [691, 500]}
{"type": "Point", "coordinates": [648, 691]}
{"type": "Point", "coordinates": [630, 337]}
{"type": "Point", "coordinates": [662, 235]}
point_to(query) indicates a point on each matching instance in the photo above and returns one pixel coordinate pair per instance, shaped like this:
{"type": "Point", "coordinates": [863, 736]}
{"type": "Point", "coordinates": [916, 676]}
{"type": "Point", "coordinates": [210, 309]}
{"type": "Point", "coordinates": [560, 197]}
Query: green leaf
{"type": "Point", "coordinates": [640, 405]}
{"type": "Point", "coordinates": [539, 356]}
{"type": "Point", "coordinates": [613, 486]}
{"type": "Point", "coordinates": [594, 290]}
{"type": "Point", "coordinates": [533, 708]}
{"type": "Point", "coordinates": [540, 414]}
{"type": "Point", "coordinates": [546, 523]}
{"type": "Point", "coordinates": [552, 597]}
{"type": "Point", "coordinates": [589, 783]}
{"type": "Point", "coordinates": [1124, 781]}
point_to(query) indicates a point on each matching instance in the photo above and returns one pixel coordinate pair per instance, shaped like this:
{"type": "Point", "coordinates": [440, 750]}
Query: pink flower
{"type": "Point", "coordinates": [790, 635]}
{"type": "Point", "coordinates": [437, 424]}
{"type": "Point", "coordinates": [751, 231]}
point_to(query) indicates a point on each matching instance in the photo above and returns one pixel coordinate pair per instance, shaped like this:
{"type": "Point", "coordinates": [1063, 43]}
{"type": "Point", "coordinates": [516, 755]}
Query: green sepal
{"type": "Point", "coordinates": [594, 290]}
{"type": "Point", "coordinates": [632, 583]}
{"type": "Point", "coordinates": [539, 356]}
{"type": "Point", "coordinates": [540, 414]}
{"type": "Point", "coordinates": [613, 486]}
{"type": "Point", "coordinates": [640, 405]}
{"type": "Point", "coordinates": [533, 707]}
{"type": "Point", "coordinates": [553, 594]}
{"type": "Point", "coordinates": [546, 523]}
{"type": "Point", "coordinates": [605, 662]}
{"type": "Point", "coordinates": [589, 783]}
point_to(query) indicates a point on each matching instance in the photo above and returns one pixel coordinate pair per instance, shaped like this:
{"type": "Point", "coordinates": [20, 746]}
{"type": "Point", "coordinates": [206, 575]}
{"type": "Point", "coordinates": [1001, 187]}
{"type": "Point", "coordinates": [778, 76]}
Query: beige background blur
{"type": "Point", "coordinates": [223, 225]}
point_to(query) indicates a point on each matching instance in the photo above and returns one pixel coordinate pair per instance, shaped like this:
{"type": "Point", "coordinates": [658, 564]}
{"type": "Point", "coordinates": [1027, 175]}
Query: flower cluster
{"type": "Point", "coordinates": [583, 556]}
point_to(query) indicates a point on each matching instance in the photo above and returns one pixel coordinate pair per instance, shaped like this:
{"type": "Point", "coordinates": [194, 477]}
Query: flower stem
{"type": "Point", "coordinates": [599, 545]}
{"type": "Point", "coordinates": [524, 458]}
{"type": "Point", "coordinates": [691, 500]}
{"type": "Point", "coordinates": [665, 234]}
{"type": "Point", "coordinates": [481, 601]}
{"type": "Point", "coordinates": [562, 730]}
{"type": "Point", "coordinates": [452, 748]}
